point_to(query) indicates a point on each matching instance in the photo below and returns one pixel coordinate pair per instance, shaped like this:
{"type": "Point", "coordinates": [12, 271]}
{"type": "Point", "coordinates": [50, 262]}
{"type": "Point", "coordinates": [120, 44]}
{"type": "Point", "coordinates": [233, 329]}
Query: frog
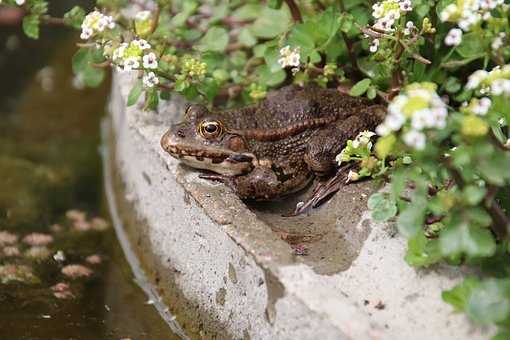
{"type": "Point", "coordinates": [274, 148]}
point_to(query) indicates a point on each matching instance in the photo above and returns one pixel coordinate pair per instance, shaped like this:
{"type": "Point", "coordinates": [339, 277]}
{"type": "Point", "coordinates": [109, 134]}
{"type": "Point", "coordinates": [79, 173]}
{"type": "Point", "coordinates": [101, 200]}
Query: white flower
{"type": "Point", "coordinates": [406, 6]}
{"type": "Point", "coordinates": [438, 116]}
{"type": "Point", "coordinates": [86, 33]}
{"type": "Point", "coordinates": [150, 61]}
{"type": "Point", "coordinates": [382, 130]}
{"type": "Point", "coordinates": [143, 15]}
{"type": "Point", "coordinates": [131, 63]}
{"type": "Point", "coordinates": [95, 22]}
{"type": "Point", "coordinates": [394, 121]}
{"type": "Point", "coordinates": [498, 41]}
{"type": "Point", "coordinates": [500, 86]}
{"type": "Point", "coordinates": [482, 106]}
{"type": "Point", "coordinates": [20, 2]}
{"type": "Point", "coordinates": [118, 53]}
{"type": "Point", "coordinates": [421, 119]}
{"type": "Point", "coordinates": [150, 79]}
{"type": "Point", "coordinates": [454, 37]}
{"type": "Point", "coordinates": [476, 78]}
{"type": "Point", "coordinates": [352, 176]}
{"type": "Point", "coordinates": [374, 45]}
{"type": "Point", "coordinates": [448, 12]}
{"type": "Point", "coordinates": [289, 57]}
{"type": "Point", "coordinates": [142, 44]}
{"type": "Point", "coordinates": [409, 28]}
{"type": "Point", "coordinates": [415, 139]}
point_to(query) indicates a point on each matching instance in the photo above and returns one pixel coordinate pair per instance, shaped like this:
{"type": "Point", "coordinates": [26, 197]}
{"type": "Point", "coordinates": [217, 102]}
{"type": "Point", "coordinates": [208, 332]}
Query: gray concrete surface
{"type": "Point", "coordinates": [228, 270]}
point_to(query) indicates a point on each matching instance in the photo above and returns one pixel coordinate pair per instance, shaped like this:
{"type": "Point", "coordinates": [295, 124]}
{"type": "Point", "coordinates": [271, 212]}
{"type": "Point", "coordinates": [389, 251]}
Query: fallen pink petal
{"type": "Point", "coordinates": [38, 239]}
{"type": "Point", "coordinates": [94, 259]}
{"type": "Point", "coordinates": [7, 238]}
{"type": "Point", "coordinates": [74, 271]}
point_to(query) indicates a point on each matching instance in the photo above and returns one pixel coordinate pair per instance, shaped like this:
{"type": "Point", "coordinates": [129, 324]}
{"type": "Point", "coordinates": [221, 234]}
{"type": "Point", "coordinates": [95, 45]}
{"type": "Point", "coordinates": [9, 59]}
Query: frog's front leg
{"type": "Point", "coordinates": [261, 183]}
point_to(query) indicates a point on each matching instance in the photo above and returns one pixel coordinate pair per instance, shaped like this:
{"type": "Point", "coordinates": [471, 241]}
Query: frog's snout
{"type": "Point", "coordinates": [169, 141]}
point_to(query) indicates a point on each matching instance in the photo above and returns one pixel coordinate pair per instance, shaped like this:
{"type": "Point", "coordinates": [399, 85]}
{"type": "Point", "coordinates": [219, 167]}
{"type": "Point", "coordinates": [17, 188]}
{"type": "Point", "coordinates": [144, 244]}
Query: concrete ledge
{"type": "Point", "coordinates": [228, 270]}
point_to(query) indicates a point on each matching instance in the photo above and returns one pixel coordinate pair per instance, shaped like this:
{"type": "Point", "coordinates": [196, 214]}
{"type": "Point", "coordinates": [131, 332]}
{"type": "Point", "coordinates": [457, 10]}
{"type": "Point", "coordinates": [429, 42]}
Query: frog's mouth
{"type": "Point", "coordinates": [223, 162]}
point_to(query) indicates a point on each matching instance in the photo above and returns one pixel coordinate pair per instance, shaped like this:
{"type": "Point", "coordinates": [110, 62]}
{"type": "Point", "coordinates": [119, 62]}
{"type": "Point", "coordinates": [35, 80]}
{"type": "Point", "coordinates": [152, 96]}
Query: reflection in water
{"type": "Point", "coordinates": [62, 272]}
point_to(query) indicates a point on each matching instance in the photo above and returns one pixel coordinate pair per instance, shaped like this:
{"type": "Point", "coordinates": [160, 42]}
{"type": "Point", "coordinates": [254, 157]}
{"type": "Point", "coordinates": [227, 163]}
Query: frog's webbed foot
{"type": "Point", "coordinates": [323, 191]}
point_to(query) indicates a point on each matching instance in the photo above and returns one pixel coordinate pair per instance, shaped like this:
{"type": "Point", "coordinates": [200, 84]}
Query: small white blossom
{"type": "Point", "coordinates": [406, 6]}
{"type": "Point", "coordinates": [130, 64]}
{"type": "Point", "coordinates": [150, 80]}
{"type": "Point", "coordinates": [374, 45]}
{"type": "Point", "coordinates": [414, 139]}
{"type": "Point", "coordinates": [409, 28]}
{"type": "Point", "coordinates": [476, 78]}
{"type": "Point", "coordinates": [382, 130]}
{"type": "Point", "coordinates": [143, 15]}
{"type": "Point", "coordinates": [454, 37]}
{"type": "Point", "coordinates": [150, 61]}
{"type": "Point", "coordinates": [142, 44]}
{"type": "Point", "coordinates": [352, 176]}
{"type": "Point", "coordinates": [395, 121]}
{"type": "Point", "coordinates": [20, 2]}
{"type": "Point", "coordinates": [482, 106]}
{"type": "Point", "coordinates": [95, 22]}
{"type": "Point", "coordinates": [289, 57]}
{"type": "Point", "coordinates": [498, 41]}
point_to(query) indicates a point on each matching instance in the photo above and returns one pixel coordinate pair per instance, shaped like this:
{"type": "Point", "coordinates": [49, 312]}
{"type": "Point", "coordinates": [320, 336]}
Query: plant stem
{"type": "Point", "coordinates": [294, 10]}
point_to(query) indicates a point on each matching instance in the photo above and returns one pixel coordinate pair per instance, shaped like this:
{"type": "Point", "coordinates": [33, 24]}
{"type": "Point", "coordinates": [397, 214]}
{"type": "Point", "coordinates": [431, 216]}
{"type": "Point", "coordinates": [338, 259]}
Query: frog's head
{"type": "Point", "coordinates": [203, 141]}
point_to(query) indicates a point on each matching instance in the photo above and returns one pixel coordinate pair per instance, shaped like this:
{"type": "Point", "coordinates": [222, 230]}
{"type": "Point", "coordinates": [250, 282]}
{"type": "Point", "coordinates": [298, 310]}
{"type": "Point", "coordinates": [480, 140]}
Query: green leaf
{"type": "Point", "coordinates": [74, 17]}
{"type": "Point", "coordinates": [489, 301]}
{"type": "Point", "coordinates": [271, 23]}
{"type": "Point", "coordinates": [422, 252]}
{"type": "Point", "coordinates": [135, 93]}
{"type": "Point", "coordinates": [360, 87]}
{"type": "Point", "coordinates": [382, 206]}
{"type": "Point", "coordinates": [215, 40]}
{"type": "Point", "coordinates": [152, 100]}
{"type": "Point", "coordinates": [471, 45]}
{"type": "Point", "coordinates": [246, 38]}
{"type": "Point", "coordinates": [271, 56]}
{"type": "Point", "coordinates": [80, 60]}
{"type": "Point", "coordinates": [275, 4]}
{"type": "Point", "coordinates": [459, 295]}
{"type": "Point", "coordinates": [31, 26]}
{"type": "Point", "coordinates": [459, 237]}
{"type": "Point", "coordinates": [412, 218]}
{"type": "Point", "coordinates": [93, 77]}
{"type": "Point", "coordinates": [270, 78]}
{"type": "Point", "coordinates": [473, 194]}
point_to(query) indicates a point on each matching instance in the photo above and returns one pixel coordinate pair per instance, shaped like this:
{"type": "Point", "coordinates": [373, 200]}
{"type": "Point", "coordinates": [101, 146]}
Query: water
{"type": "Point", "coordinates": [63, 274]}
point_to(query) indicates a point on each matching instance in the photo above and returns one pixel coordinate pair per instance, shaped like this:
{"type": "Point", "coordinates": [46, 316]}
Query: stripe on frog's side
{"type": "Point", "coordinates": [267, 135]}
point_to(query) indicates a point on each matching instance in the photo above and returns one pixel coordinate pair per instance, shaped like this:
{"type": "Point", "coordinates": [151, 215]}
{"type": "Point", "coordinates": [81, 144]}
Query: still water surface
{"type": "Point", "coordinates": [62, 272]}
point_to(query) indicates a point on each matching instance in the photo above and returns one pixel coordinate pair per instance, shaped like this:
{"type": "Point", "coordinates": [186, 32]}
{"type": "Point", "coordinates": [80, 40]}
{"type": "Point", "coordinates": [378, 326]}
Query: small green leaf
{"type": "Point", "coordinates": [473, 194]}
{"type": "Point", "coordinates": [271, 23]}
{"type": "Point", "coordinates": [459, 295]}
{"type": "Point", "coordinates": [382, 206]}
{"type": "Point", "coordinates": [31, 26]}
{"type": "Point", "coordinates": [215, 40]}
{"type": "Point", "coordinates": [360, 87]}
{"type": "Point", "coordinates": [74, 17]}
{"type": "Point", "coordinates": [462, 238]}
{"type": "Point", "coordinates": [489, 301]}
{"type": "Point", "coordinates": [471, 45]}
{"type": "Point", "coordinates": [151, 100]}
{"type": "Point", "coordinates": [135, 93]}
{"type": "Point", "coordinates": [422, 252]}
{"type": "Point", "coordinates": [275, 4]}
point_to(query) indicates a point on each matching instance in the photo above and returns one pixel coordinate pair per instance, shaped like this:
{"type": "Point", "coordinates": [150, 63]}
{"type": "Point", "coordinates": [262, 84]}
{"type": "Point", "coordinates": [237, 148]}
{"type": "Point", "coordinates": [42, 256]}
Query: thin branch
{"type": "Point", "coordinates": [294, 10]}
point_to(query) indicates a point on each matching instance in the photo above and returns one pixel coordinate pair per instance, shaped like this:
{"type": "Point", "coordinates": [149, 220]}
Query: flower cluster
{"type": "Point", "coordinates": [130, 56]}
{"type": "Point", "coordinates": [95, 22]}
{"type": "Point", "coordinates": [477, 106]}
{"type": "Point", "coordinates": [466, 14]}
{"type": "Point", "coordinates": [496, 82]}
{"type": "Point", "coordinates": [289, 57]}
{"type": "Point", "coordinates": [416, 109]}
{"type": "Point", "coordinates": [150, 80]}
{"type": "Point", "coordinates": [362, 144]}
{"type": "Point", "coordinates": [388, 11]}
{"type": "Point", "coordinates": [193, 67]}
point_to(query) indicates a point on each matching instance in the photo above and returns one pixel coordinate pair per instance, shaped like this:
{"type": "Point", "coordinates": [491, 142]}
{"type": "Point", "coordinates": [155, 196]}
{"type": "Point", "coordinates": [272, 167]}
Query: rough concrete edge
{"type": "Point", "coordinates": [270, 255]}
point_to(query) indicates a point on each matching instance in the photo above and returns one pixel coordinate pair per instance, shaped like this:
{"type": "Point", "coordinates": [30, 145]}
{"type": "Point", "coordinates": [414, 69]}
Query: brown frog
{"type": "Point", "coordinates": [274, 148]}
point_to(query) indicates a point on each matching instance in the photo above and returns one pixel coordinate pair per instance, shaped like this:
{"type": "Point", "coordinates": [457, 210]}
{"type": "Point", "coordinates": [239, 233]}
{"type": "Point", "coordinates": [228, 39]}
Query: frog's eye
{"type": "Point", "coordinates": [210, 129]}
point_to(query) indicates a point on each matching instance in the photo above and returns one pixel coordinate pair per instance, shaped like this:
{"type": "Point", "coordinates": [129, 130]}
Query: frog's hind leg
{"type": "Point", "coordinates": [328, 142]}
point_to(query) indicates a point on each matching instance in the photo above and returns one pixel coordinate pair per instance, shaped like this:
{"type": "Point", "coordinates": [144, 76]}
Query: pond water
{"type": "Point", "coordinates": [63, 274]}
